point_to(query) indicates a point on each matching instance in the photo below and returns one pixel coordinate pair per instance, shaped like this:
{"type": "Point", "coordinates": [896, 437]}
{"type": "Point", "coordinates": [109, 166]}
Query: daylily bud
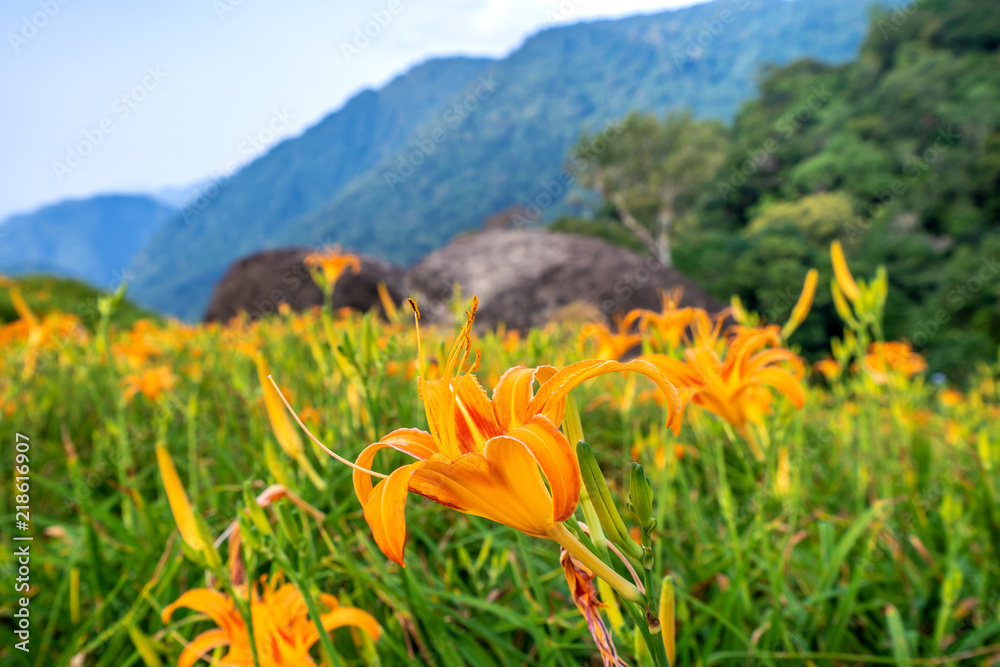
{"type": "Point", "coordinates": [739, 312]}
{"type": "Point", "coordinates": [284, 431]}
{"type": "Point", "coordinates": [641, 496]}
{"type": "Point", "coordinates": [667, 619]}
{"type": "Point", "coordinates": [843, 274]}
{"type": "Point", "coordinates": [841, 306]}
{"type": "Point", "coordinates": [600, 496]}
{"type": "Point", "coordinates": [191, 527]}
{"type": "Point", "coordinates": [108, 303]}
{"type": "Point", "coordinates": [803, 305]}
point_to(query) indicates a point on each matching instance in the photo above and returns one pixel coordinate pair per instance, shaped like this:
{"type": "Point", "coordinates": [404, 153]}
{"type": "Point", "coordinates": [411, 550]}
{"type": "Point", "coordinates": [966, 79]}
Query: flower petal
{"type": "Point", "coordinates": [340, 617]}
{"type": "Point", "coordinates": [550, 400]}
{"type": "Point", "coordinates": [213, 604]}
{"type": "Point", "coordinates": [474, 419]}
{"type": "Point", "coordinates": [386, 515]}
{"type": "Point", "coordinates": [507, 487]}
{"type": "Point", "coordinates": [201, 645]}
{"type": "Point", "coordinates": [418, 444]}
{"type": "Point", "coordinates": [784, 382]}
{"type": "Point", "coordinates": [553, 453]}
{"type": "Point", "coordinates": [513, 393]}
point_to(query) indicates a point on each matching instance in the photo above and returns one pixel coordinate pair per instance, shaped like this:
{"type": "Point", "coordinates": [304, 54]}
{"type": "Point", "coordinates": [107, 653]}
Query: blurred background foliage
{"type": "Point", "coordinates": [896, 153]}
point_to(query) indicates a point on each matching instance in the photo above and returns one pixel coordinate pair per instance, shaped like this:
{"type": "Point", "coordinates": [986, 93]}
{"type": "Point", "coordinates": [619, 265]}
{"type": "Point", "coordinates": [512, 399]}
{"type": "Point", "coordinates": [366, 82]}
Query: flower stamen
{"type": "Point", "coordinates": [316, 440]}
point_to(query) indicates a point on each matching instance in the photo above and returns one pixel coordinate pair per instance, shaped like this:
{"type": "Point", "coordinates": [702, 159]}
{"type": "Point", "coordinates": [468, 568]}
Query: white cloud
{"type": "Point", "coordinates": [227, 75]}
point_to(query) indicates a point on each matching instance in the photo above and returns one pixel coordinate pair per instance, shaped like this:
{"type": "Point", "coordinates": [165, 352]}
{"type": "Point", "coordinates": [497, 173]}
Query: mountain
{"type": "Point", "coordinates": [179, 196]}
{"type": "Point", "coordinates": [178, 268]}
{"type": "Point", "coordinates": [397, 172]}
{"type": "Point", "coordinates": [93, 240]}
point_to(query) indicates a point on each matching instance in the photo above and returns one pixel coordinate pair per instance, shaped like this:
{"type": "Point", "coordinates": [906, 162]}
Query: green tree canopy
{"type": "Point", "coordinates": [652, 172]}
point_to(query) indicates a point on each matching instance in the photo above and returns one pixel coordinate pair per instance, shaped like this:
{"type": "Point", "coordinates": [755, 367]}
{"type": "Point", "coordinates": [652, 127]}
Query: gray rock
{"type": "Point", "coordinates": [524, 277]}
{"type": "Point", "coordinates": [258, 283]}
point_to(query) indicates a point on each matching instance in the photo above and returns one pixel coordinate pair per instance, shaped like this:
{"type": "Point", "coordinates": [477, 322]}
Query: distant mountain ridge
{"type": "Point", "coordinates": [94, 239]}
{"type": "Point", "coordinates": [398, 171]}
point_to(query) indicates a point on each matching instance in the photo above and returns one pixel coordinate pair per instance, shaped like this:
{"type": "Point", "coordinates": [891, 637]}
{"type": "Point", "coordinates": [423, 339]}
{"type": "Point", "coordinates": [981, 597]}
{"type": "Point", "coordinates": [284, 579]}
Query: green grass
{"type": "Point", "coordinates": [883, 543]}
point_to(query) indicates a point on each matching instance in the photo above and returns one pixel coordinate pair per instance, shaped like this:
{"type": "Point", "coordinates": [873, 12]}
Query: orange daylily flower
{"type": "Point", "coordinates": [150, 383]}
{"type": "Point", "coordinates": [331, 263]}
{"type": "Point", "coordinates": [951, 397]}
{"type": "Point", "coordinates": [283, 631]}
{"type": "Point", "coordinates": [38, 333]}
{"type": "Point", "coordinates": [735, 387]}
{"type": "Point", "coordinates": [707, 334]}
{"type": "Point", "coordinates": [503, 458]}
{"type": "Point", "coordinates": [892, 357]}
{"type": "Point", "coordinates": [511, 340]}
{"type": "Point", "coordinates": [828, 367]}
{"type": "Point", "coordinates": [610, 344]}
{"type": "Point", "coordinates": [7, 407]}
{"type": "Point", "coordinates": [671, 322]}
{"type": "Point", "coordinates": [138, 345]}
{"type": "Point", "coordinates": [309, 414]}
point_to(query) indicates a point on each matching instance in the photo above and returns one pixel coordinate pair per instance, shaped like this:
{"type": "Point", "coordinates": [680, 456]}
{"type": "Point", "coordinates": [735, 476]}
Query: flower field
{"type": "Point", "coordinates": [683, 489]}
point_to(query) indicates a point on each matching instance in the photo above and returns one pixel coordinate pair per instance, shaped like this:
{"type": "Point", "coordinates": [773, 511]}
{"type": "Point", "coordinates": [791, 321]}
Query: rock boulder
{"type": "Point", "coordinates": [524, 277]}
{"type": "Point", "coordinates": [258, 283]}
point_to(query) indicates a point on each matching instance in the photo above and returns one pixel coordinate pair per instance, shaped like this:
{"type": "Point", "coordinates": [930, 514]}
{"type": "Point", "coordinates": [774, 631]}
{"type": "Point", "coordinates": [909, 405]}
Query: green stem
{"type": "Point", "coordinates": [653, 642]}
{"type": "Point", "coordinates": [568, 541]}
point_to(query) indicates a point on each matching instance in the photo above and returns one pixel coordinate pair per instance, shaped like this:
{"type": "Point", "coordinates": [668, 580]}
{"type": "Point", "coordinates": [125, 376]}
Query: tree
{"type": "Point", "coordinates": [652, 172]}
{"type": "Point", "coordinates": [822, 216]}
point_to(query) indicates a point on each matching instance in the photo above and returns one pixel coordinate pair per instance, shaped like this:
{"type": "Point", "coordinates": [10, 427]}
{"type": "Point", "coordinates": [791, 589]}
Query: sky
{"type": "Point", "coordinates": [142, 95]}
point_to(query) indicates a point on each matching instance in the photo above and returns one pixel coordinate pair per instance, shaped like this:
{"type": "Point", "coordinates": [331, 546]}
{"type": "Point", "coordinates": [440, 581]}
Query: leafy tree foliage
{"type": "Point", "coordinates": [897, 154]}
{"type": "Point", "coordinates": [652, 172]}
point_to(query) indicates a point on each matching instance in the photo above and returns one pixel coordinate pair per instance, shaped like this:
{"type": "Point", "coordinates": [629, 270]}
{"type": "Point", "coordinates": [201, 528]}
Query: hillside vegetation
{"type": "Point", "coordinates": [896, 153]}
